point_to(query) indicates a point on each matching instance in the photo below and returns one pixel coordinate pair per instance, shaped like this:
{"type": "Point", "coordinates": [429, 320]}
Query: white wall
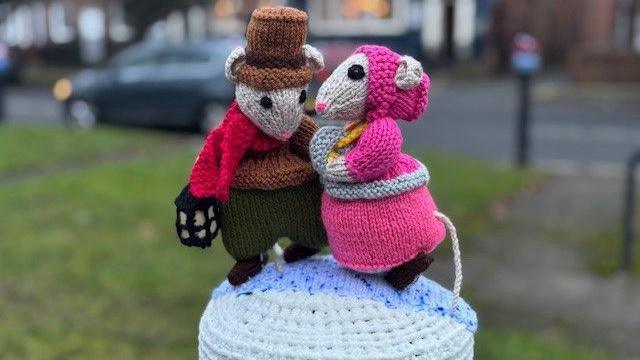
{"type": "Point", "coordinates": [432, 34]}
{"type": "Point", "coordinates": [434, 27]}
{"type": "Point", "coordinates": [464, 27]}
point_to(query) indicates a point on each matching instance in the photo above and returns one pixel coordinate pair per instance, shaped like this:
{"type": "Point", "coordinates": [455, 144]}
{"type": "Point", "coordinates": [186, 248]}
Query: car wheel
{"type": "Point", "coordinates": [82, 114]}
{"type": "Point", "coordinates": [211, 117]}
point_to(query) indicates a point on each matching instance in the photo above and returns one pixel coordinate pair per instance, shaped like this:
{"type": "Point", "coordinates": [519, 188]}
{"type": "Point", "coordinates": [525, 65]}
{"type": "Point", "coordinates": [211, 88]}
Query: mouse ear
{"type": "Point", "coordinates": [314, 57]}
{"type": "Point", "coordinates": [235, 59]}
{"type": "Point", "coordinates": [409, 73]}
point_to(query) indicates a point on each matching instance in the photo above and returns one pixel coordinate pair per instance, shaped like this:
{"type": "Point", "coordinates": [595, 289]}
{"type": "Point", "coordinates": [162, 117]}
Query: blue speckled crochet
{"type": "Point", "coordinates": [322, 275]}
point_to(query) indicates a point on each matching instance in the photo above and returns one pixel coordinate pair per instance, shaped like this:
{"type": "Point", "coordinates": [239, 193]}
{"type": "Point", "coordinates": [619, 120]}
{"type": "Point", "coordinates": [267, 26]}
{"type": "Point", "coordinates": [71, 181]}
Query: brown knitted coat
{"type": "Point", "coordinates": [284, 167]}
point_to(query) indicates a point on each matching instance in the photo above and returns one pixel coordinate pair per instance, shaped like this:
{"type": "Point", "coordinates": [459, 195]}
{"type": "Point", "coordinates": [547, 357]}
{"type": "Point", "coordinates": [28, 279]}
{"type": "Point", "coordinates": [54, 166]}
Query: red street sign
{"type": "Point", "coordinates": [525, 54]}
{"type": "Point", "coordinates": [524, 42]}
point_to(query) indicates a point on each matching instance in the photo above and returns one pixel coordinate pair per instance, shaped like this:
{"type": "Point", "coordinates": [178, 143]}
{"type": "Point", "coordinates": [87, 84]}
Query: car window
{"type": "Point", "coordinates": [218, 50]}
{"type": "Point", "coordinates": [135, 57]}
{"type": "Point", "coordinates": [148, 59]}
{"type": "Point", "coordinates": [184, 57]}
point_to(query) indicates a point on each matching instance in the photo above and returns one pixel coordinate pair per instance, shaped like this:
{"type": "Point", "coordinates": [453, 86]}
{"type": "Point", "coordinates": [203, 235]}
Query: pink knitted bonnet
{"type": "Point", "coordinates": [384, 97]}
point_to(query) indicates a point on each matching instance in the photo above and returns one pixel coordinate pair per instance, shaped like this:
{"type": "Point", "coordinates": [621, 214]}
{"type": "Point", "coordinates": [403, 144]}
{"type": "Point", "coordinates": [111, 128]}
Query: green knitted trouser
{"type": "Point", "coordinates": [253, 220]}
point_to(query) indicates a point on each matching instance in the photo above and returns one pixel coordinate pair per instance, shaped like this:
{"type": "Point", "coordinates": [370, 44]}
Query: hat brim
{"type": "Point", "coordinates": [267, 79]}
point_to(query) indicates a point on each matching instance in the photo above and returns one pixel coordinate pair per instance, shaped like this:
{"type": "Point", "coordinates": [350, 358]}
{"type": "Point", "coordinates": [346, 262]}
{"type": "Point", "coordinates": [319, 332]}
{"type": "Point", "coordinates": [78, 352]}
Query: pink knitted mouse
{"type": "Point", "coordinates": [377, 210]}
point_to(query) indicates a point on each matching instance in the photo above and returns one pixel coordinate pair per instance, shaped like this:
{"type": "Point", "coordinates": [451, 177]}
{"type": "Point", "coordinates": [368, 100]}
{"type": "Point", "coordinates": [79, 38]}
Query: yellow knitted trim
{"type": "Point", "coordinates": [354, 130]}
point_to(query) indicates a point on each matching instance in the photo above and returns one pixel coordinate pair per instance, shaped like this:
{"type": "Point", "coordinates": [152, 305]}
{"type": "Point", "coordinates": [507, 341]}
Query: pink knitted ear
{"type": "Point", "coordinates": [411, 104]}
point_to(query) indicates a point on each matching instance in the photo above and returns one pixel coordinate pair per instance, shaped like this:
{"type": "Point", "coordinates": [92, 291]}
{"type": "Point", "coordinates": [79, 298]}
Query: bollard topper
{"type": "Point", "coordinates": [525, 54]}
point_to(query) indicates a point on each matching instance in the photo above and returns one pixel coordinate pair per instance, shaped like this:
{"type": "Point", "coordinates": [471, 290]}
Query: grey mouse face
{"type": "Point", "coordinates": [343, 96]}
{"type": "Point", "coordinates": [278, 113]}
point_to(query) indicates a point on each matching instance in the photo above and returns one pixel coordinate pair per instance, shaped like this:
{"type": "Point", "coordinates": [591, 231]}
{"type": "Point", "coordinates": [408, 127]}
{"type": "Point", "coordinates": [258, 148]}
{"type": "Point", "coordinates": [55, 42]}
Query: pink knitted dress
{"type": "Point", "coordinates": [379, 213]}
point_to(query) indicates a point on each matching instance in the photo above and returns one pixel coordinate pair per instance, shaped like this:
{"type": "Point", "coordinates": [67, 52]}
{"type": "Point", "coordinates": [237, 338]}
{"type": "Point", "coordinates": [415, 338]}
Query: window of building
{"type": "Point", "coordinates": [636, 35]}
{"type": "Point", "coordinates": [176, 26]}
{"type": "Point", "coordinates": [91, 23]}
{"type": "Point", "coordinates": [61, 30]}
{"type": "Point", "coordinates": [197, 22]}
{"type": "Point", "coordinates": [22, 23]}
{"type": "Point", "coordinates": [358, 17]}
{"type": "Point", "coordinates": [92, 34]}
{"type": "Point", "coordinates": [40, 35]}
{"type": "Point", "coordinates": [119, 30]}
{"type": "Point", "coordinates": [230, 16]}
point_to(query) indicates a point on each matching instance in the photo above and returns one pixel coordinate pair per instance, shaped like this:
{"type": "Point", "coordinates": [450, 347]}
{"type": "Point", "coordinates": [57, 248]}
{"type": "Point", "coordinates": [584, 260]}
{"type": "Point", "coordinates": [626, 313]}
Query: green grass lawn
{"type": "Point", "coordinates": [464, 187]}
{"type": "Point", "coordinates": [605, 252]}
{"type": "Point", "coordinates": [501, 344]}
{"type": "Point", "coordinates": [31, 148]}
{"type": "Point", "coordinates": [91, 268]}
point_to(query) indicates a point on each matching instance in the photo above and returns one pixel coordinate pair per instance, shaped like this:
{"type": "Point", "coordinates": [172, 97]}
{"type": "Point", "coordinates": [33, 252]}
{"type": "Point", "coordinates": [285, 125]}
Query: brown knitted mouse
{"type": "Point", "coordinates": [253, 178]}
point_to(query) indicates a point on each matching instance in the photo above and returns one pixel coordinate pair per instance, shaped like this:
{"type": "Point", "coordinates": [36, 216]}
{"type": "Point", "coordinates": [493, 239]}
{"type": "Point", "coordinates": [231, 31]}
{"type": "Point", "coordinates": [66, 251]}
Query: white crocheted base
{"type": "Point", "coordinates": [296, 325]}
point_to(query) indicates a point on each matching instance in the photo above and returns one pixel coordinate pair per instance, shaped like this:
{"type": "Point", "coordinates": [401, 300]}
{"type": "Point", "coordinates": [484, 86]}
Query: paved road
{"type": "Point", "coordinates": [574, 129]}
{"type": "Point", "coordinates": [31, 105]}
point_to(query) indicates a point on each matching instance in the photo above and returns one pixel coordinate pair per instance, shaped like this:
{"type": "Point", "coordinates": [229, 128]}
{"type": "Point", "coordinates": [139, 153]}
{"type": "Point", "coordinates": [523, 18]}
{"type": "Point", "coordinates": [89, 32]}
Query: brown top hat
{"type": "Point", "coordinates": [274, 54]}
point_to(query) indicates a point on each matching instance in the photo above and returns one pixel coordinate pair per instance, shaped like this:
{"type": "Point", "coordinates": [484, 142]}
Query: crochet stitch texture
{"type": "Point", "coordinates": [315, 309]}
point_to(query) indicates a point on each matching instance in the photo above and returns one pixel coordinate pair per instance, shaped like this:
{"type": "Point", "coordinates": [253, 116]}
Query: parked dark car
{"type": "Point", "coordinates": [153, 84]}
{"type": "Point", "coordinates": [10, 65]}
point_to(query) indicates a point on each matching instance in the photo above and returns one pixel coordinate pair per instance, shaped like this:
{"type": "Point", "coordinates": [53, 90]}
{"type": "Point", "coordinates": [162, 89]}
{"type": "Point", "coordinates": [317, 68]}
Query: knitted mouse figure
{"type": "Point", "coordinates": [253, 178]}
{"type": "Point", "coordinates": [378, 213]}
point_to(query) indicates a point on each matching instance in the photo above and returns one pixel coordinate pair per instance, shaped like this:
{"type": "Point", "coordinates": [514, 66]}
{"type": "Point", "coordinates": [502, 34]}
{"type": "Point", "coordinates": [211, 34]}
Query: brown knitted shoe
{"type": "Point", "coordinates": [404, 275]}
{"type": "Point", "coordinates": [297, 252]}
{"type": "Point", "coordinates": [243, 270]}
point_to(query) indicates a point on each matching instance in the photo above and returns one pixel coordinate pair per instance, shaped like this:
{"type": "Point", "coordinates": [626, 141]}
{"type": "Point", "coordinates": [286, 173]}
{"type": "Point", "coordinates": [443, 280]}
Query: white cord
{"type": "Point", "coordinates": [457, 284]}
{"type": "Point", "coordinates": [277, 249]}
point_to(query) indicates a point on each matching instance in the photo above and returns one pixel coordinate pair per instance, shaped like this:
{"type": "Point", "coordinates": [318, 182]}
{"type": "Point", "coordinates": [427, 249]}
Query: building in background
{"type": "Point", "coordinates": [65, 30]}
{"type": "Point", "coordinates": [90, 30]}
{"type": "Point", "coordinates": [609, 44]}
{"type": "Point", "coordinates": [207, 18]}
{"type": "Point", "coordinates": [597, 39]}
{"type": "Point", "coordinates": [439, 30]}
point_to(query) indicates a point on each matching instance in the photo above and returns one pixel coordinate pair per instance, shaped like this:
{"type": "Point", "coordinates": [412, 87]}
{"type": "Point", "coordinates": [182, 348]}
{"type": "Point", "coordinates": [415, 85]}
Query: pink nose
{"type": "Point", "coordinates": [285, 134]}
{"type": "Point", "coordinates": [320, 107]}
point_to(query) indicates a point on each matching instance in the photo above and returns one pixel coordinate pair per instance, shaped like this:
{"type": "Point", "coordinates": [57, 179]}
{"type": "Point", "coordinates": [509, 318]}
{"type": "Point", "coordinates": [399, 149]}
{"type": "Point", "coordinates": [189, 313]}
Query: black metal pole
{"type": "Point", "coordinates": [522, 136]}
{"type": "Point", "coordinates": [629, 212]}
{"type": "Point", "coordinates": [2, 100]}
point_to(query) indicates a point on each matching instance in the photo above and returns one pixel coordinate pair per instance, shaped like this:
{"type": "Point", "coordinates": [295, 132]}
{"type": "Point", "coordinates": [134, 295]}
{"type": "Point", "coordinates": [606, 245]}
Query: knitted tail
{"type": "Point", "coordinates": [277, 249]}
{"type": "Point", "coordinates": [457, 284]}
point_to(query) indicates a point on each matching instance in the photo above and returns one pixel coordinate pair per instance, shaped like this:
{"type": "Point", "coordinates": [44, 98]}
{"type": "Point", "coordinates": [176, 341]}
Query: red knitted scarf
{"type": "Point", "coordinates": [224, 148]}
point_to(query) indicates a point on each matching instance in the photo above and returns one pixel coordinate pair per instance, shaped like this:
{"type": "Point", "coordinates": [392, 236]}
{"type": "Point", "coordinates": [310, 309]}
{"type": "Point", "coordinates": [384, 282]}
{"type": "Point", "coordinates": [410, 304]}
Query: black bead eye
{"type": "Point", "coordinates": [266, 102]}
{"type": "Point", "coordinates": [303, 96]}
{"type": "Point", "coordinates": [355, 72]}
